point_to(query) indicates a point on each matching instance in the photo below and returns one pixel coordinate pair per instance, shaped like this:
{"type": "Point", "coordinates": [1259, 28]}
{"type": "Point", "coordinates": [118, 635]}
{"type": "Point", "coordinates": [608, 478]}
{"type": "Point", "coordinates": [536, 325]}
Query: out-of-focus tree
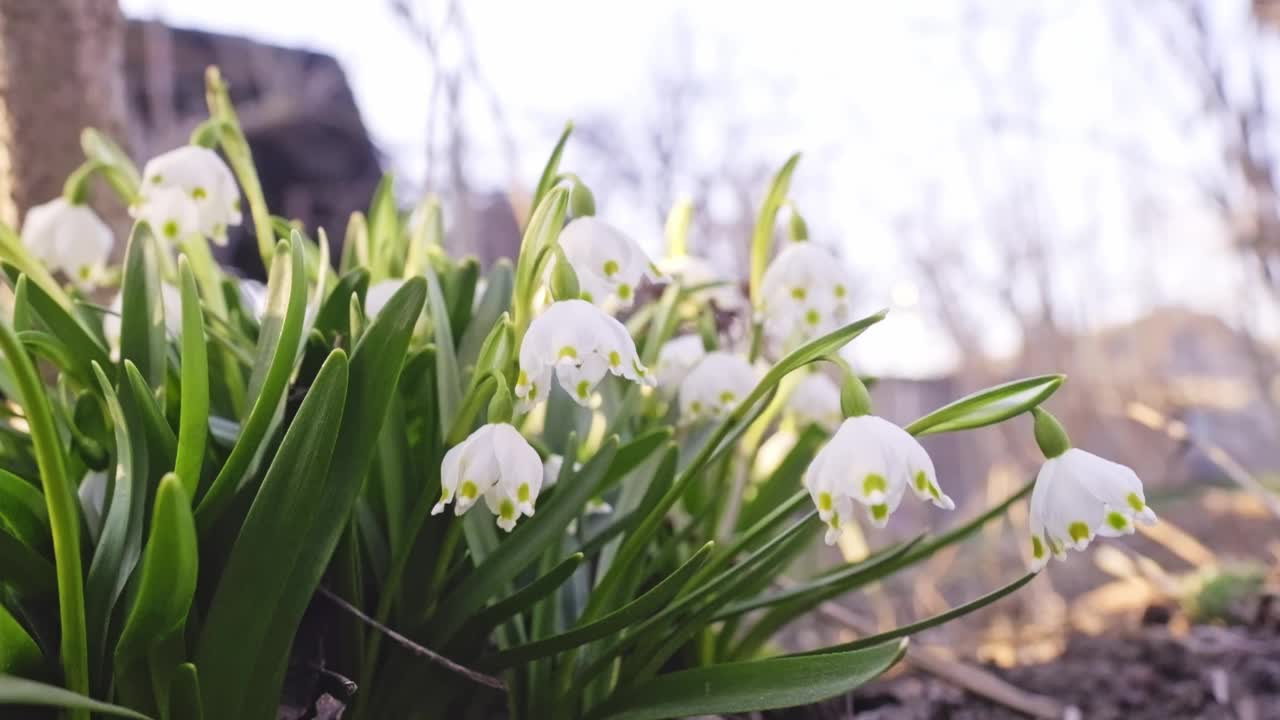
{"type": "Point", "coordinates": [61, 69]}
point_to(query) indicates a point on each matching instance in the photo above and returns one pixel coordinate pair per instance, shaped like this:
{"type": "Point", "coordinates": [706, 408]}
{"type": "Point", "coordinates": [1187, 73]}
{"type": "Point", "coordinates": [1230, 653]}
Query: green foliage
{"type": "Point", "coordinates": [230, 471]}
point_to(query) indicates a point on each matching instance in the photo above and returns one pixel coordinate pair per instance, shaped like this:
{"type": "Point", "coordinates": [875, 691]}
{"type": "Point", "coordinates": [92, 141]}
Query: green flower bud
{"type": "Point", "coordinates": [581, 202]}
{"type": "Point", "coordinates": [500, 405]}
{"type": "Point", "coordinates": [564, 281]}
{"type": "Point", "coordinates": [207, 134]}
{"type": "Point", "coordinates": [1050, 435]}
{"type": "Point", "coordinates": [799, 228]}
{"type": "Point", "coordinates": [76, 188]}
{"type": "Point", "coordinates": [855, 401]}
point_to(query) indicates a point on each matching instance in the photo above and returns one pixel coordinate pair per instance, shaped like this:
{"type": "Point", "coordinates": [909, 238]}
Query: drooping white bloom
{"type": "Point", "coordinates": [170, 212]}
{"type": "Point", "coordinates": [870, 461]}
{"type": "Point", "coordinates": [495, 462]}
{"type": "Point", "coordinates": [716, 385]}
{"type": "Point", "coordinates": [692, 271]}
{"type": "Point", "coordinates": [1078, 496]}
{"type": "Point", "coordinates": [170, 298]}
{"type": "Point", "coordinates": [676, 358]}
{"type": "Point", "coordinates": [201, 176]}
{"type": "Point", "coordinates": [580, 344]}
{"type": "Point", "coordinates": [609, 265]}
{"type": "Point", "coordinates": [815, 400]}
{"type": "Point", "coordinates": [378, 294]}
{"type": "Point", "coordinates": [804, 295]}
{"type": "Point", "coordinates": [551, 469]}
{"type": "Point", "coordinates": [68, 238]}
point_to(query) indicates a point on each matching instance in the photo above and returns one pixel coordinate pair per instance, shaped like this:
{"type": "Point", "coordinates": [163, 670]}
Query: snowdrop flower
{"type": "Point", "coordinates": [170, 298]}
{"type": "Point", "coordinates": [609, 265]}
{"type": "Point", "coordinates": [676, 358]}
{"type": "Point", "coordinates": [170, 212]}
{"type": "Point", "coordinates": [378, 294]}
{"type": "Point", "coordinates": [692, 271]}
{"type": "Point", "coordinates": [716, 385]}
{"type": "Point", "coordinates": [580, 344]}
{"type": "Point", "coordinates": [872, 462]}
{"type": "Point", "coordinates": [198, 174]}
{"type": "Point", "coordinates": [816, 401]}
{"type": "Point", "coordinates": [68, 238]}
{"type": "Point", "coordinates": [804, 295]}
{"type": "Point", "coordinates": [495, 462]}
{"type": "Point", "coordinates": [1078, 496]}
{"type": "Point", "coordinates": [551, 469]}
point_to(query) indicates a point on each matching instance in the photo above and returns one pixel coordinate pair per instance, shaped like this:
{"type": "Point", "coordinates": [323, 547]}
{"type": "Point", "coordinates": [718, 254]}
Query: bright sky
{"type": "Point", "coordinates": [887, 107]}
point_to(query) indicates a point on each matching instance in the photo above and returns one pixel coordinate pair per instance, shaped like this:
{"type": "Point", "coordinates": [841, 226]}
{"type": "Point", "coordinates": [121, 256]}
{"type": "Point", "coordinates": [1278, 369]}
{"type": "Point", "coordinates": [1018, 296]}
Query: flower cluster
{"type": "Point", "coordinates": [715, 386]}
{"type": "Point", "coordinates": [804, 295]}
{"type": "Point", "coordinates": [495, 463]}
{"type": "Point", "coordinates": [609, 264]}
{"type": "Point", "coordinates": [187, 191]}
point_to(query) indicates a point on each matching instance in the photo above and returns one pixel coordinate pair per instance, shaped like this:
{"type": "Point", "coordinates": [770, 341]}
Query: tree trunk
{"type": "Point", "coordinates": [61, 69]}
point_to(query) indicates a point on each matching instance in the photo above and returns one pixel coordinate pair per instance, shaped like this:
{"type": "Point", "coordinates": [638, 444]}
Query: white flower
{"type": "Point", "coordinates": [804, 295]}
{"type": "Point", "coordinates": [378, 294]}
{"type": "Point", "coordinates": [495, 462]}
{"type": "Point", "coordinates": [551, 469]}
{"type": "Point", "coordinates": [170, 212]}
{"type": "Point", "coordinates": [676, 358]}
{"type": "Point", "coordinates": [815, 400]}
{"type": "Point", "coordinates": [579, 343]}
{"type": "Point", "coordinates": [201, 176]}
{"type": "Point", "coordinates": [692, 271]}
{"type": "Point", "coordinates": [68, 238]}
{"type": "Point", "coordinates": [716, 385]}
{"type": "Point", "coordinates": [1079, 495]}
{"type": "Point", "coordinates": [870, 461]}
{"type": "Point", "coordinates": [253, 298]}
{"type": "Point", "coordinates": [170, 298]}
{"type": "Point", "coordinates": [609, 265]}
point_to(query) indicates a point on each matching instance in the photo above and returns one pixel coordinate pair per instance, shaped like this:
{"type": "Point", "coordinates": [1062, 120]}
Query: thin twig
{"type": "Point", "coordinates": [413, 647]}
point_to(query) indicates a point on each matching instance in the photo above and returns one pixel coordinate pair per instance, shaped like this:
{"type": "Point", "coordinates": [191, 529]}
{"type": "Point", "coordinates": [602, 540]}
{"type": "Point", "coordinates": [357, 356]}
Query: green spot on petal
{"type": "Point", "coordinates": [507, 509]}
{"type": "Point", "coordinates": [812, 317]}
{"type": "Point", "coordinates": [824, 501]}
{"type": "Point", "coordinates": [798, 293]}
{"type": "Point", "coordinates": [840, 291]}
{"type": "Point", "coordinates": [587, 296]}
{"type": "Point", "coordinates": [523, 493]}
{"type": "Point", "coordinates": [873, 483]}
{"type": "Point", "coordinates": [611, 268]}
{"type": "Point", "coordinates": [1037, 547]}
{"type": "Point", "coordinates": [170, 229]}
{"type": "Point", "coordinates": [584, 389]}
{"type": "Point", "coordinates": [568, 351]}
{"type": "Point", "coordinates": [199, 193]}
{"type": "Point", "coordinates": [1078, 531]}
{"type": "Point", "coordinates": [1136, 502]}
{"type": "Point", "coordinates": [469, 490]}
{"type": "Point", "coordinates": [614, 358]}
{"type": "Point", "coordinates": [624, 292]}
{"type": "Point", "coordinates": [1117, 521]}
{"type": "Point", "coordinates": [922, 482]}
{"type": "Point", "coordinates": [879, 512]}
{"type": "Point", "coordinates": [727, 397]}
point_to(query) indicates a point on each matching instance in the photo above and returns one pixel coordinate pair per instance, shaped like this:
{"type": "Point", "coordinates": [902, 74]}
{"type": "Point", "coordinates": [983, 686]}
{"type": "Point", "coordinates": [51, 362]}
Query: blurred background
{"type": "Point", "coordinates": [1085, 186]}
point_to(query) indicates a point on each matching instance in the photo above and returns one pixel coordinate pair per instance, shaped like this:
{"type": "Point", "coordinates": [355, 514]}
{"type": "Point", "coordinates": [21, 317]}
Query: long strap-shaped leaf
{"type": "Point", "coordinates": [20, 691]}
{"type": "Point", "coordinates": [635, 611]}
{"type": "Point", "coordinates": [193, 424]}
{"type": "Point", "coordinates": [142, 329]}
{"type": "Point", "coordinates": [269, 545]}
{"type": "Point", "coordinates": [63, 509]}
{"type": "Point", "coordinates": [750, 686]}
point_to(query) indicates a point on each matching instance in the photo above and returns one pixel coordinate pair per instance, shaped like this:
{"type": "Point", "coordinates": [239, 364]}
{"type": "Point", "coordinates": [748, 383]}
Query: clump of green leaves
{"type": "Point", "coordinates": [176, 496]}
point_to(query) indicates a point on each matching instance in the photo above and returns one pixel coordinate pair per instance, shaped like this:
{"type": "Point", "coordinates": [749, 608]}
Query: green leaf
{"type": "Point", "coordinates": [162, 444]}
{"type": "Point", "coordinates": [495, 301]}
{"type": "Point", "coordinates": [551, 170]}
{"type": "Point", "coordinates": [67, 327]}
{"type": "Point", "coordinates": [355, 246]}
{"type": "Point", "coordinates": [762, 236]}
{"type": "Point", "coordinates": [184, 694]}
{"type": "Point", "coordinates": [448, 377]}
{"type": "Point", "coordinates": [484, 621]}
{"type": "Point", "coordinates": [269, 546]}
{"type": "Point", "coordinates": [167, 579]}
{"type": "Point", "coordinates": [20, 691]}
{"type": "Point", "coordinates": [460, 295]}
{"type": "Point", "coordinates": [233, 477]}
{"type": "Point", "coordinates": [18, 651]}
{"type": "Point", "coordinates": [336, 309]}
{"type": "Point", "coordinates": [22, 510]}
{"type": "Point", "coordinates": [24, 568]}
{"type": "Point", "coordinates": [541, 234]}
{"type": "Point", "coordinates": [142, 330]}
{"type": "Point", "coordinates": [426, 235]}
{"type": "Point", "coordinates": [940, 618]}
{"type": "Point", "coordinates": [384, 230]}
{"type": "Point", "coordinates": [749, 686]}
{"type": "Point", "coordinates": [63, 507]}
{"type": "Point", "coordinates": [193, 423]}
{"type": "Point", "coordinates": [376, 366]}
{"type": "Point", "coordinates": [120, 542]}
{"type": "Point", "coordinates": [523, 546]}
{"type": "Point", "coordinates": [642, 608]}
{"type": "Point", "coordinates": [989, 406]}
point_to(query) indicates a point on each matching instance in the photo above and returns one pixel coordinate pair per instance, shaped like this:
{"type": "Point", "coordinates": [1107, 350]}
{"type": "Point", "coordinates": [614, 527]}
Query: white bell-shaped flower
{"type": "Point", "coordinates": [715, 386]}
{"type": "Point", "coordinates": [676, 358]}
{"type": "Point", "coordinates": [609, 265]}
{"type": "Point", "coordinates": [815, 400]}
{"type": "Point", "coordinates": [495, 462]}
{"type": "Point", "coordinates": [201, 176]}
{"type": "Point", "coordinates": [1078, 496]}
{"type": "Point", "coordinates": [68, 238]}
{"type": "Point", "coordinates": [692, 271]}
{"type": "Point", "coordinates": [869, 461]}
{"type": "Point", "coordinates": [170, 212]}
{"type": "Point", "coordinates": [579, 343]}
{"type": "Point", "coordinates": [378, 294]}
{"type": "Point", "coordinates": [804, 295]}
